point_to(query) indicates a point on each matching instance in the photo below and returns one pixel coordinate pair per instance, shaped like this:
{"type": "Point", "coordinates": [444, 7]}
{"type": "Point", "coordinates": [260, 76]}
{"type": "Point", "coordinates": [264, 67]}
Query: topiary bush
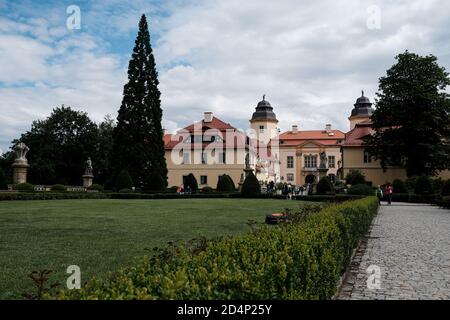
{"type": "Point", "coordinates": [3, 184]}
{"type": "Point", "coordinates": [251, 187]}
{"type": "Point", "coordinates": [423, 186]}
{"type": "Point", "coordinates": [59, 188]}
{"type": "Point", "coordinates": [355, 177]}
{"type": "Point", "coordinates": [191, 182]}
{"type": "Point", "coordinates": [293, 261]}
{"type": "Point", "coordinates": [362, 190]}
{"type": "Point", "coordinates": [445, 191]}
{"type": "Point", "coordinates": [225, 184]}
{"type": "Point", "coordinates": [125, 190]}
{"type": "Point", "coordinates": [207, 190]}
{"type": "Point", "coordinates": [399, 186]}
{"type": "Point", "coordinates": [172, 189]}
{"type": "Point", "coordinates": [124, 180]}
{"type": "Point", "coordinates": [24, 187]}
{"type": "Point", "coordinates": [410, 184]}
{"type": "Point", "coordinates": [325, 186]}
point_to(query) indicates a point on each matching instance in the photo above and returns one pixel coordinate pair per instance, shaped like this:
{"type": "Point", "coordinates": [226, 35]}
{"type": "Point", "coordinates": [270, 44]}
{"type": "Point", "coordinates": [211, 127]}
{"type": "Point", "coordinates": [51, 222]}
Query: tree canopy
{"type": "Point", "coordinates": [411, 121]}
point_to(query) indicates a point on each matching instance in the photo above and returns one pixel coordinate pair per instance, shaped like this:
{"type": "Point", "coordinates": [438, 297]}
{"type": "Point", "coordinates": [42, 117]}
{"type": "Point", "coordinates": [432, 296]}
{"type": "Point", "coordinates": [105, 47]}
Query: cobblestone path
{"type": "Point", "coordinates": [410, 247]}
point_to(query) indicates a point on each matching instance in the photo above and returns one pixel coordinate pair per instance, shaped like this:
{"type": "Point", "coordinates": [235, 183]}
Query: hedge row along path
{"type": "Point", "coordinates": [411, 246]}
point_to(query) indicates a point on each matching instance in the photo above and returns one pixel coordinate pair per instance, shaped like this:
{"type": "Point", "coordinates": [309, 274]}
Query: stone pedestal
{"type": "Point", "coordinates": [322, 172]}
{"type": "Point", "coordinates": [87, 180]}
{"type": "Point", "coordinates": [20, 171]}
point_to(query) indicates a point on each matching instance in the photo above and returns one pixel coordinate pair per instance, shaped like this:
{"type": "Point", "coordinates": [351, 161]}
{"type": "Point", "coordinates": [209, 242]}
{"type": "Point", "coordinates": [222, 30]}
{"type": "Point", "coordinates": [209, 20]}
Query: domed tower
{"type": "Point", "coordinates": [264, 121]}
{"type": "Point", "coordinates": [362, 111]}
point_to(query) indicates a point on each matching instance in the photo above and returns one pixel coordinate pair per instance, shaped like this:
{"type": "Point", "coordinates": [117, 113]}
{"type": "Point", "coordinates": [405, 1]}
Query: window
{"type": "Point", "coordinates": [290, 177]}
{"type": "Point", "coordinates": [367, 157]}
{"type": "Point", "coordinates": [331, 161]}
{"type": "Point", "coordinates": [261, 129]}
{"type": "Point", "coordinates": [290, 162]}
{"type": "Point", "coordinates": [222, 157]}
{"type": "Point", "coordinates": [203, 179]}
{"type": "Point", "coordinates": [186, 158]}
{"type": "Point", "coordinates": [310, 161]}
{"type": "Point", "coordinates": [204, 158]}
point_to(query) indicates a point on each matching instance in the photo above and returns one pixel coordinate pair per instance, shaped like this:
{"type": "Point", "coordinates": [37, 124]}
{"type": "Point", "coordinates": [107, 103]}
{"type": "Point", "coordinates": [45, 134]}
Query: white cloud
{"type": "Point", "coordinates": [311, 59]}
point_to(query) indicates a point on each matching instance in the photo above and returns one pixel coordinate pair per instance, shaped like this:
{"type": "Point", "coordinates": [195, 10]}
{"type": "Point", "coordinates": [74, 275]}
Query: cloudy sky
{"type": "Point", "coordinates": [311, 58]}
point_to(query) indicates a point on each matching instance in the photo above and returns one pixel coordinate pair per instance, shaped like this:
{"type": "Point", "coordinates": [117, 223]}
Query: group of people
{"type": "Point", "coordinates": [387, 193]}
{"type": "Point", "coordinates": [182, 190]}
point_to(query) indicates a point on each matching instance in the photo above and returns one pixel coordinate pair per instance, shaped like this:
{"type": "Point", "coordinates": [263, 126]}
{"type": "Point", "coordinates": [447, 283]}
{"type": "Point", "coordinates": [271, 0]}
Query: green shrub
{"type": "Point", "coordinates": [96, 187]}
{"type": "Point", "coordinates": [325, 186]}
{"type": "Point", "coordinates": [207, 190]}
{"type": "Point", "coordinates": [225, 184]}
{"type": "Point", "coordinates": [24, 187]}
{"type": "Point", "coordinates": [125, 190]}
{"type": "Point", "coordinates": [437, 185]}
{"type": "Point", "coordinates": [423, 186]}
{"type": "Point", "coordinates": [124, 180]}
{"type": "Point", "coordinates": [3, 184]}
{"type": "Point", "coordinates": [291, 261]}
{"type": "Point", "coordinates": [251, 187]}
{"type": "Point", "coordinates": [445, 191]}
{"type": "Point", "coordinates": [9, 196]}
{"type": "Point", "coordinates": [399, 186]}
{"type": "Point", "coordinates": [361, 189]}
{"type": "Point", "coordinates": [191, 182]}
{"type": "Point", "coordinates": [58, 188]}
{"type": "Point", "coordinates": [172, 189]}
{"type": "Point", "coordinates": [410, 184]}
{"type": "Point", "coordinates": [355, 177]}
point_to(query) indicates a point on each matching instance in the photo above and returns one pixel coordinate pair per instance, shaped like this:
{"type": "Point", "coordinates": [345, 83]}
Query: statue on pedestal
{"type": "Point", "coordinates": [20, 165]}
{"type": "Point", "coordinates": [323, 160]}
{"type": "Point", "coordinates": [88, 176]}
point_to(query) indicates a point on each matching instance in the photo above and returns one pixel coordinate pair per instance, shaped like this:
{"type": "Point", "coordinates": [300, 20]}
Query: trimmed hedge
{"type": "Point", "coordinates": [50, 196]}
{"type": "Point", "coordinates": [361, 189]}
{"type": "Point", "coordinates": [325, 186]}
{"type": "Point", "coordinates": [293, 261]}
{"type": "Point", "coordinates": [24, 187]}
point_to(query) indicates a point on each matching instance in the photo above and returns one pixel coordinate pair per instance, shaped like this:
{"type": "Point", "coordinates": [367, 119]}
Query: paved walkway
{"type": "Point", "coordinates": [410, 244]}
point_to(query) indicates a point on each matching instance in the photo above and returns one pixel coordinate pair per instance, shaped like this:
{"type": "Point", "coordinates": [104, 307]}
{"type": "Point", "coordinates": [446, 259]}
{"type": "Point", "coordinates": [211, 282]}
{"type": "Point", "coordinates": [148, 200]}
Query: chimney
{"type": "Point", "coordinates": [328, 127]}
{"type": "Point", "coordinates": [294, 129]}
{"type": "Point", "coordinates": [164, 131]}
{"type": "Point", "coordinates": [207, 117]}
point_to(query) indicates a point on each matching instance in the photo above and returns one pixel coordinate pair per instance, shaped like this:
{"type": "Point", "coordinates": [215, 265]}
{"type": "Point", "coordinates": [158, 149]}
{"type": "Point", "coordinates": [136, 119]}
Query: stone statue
{"type": "Point", "coordinates": [21, 151]}
{"type": "Point", "coordinates": [89, 169]}
{"type": "Point", "coordinates": [323, 160]}
{"type": "Point", "coordinates": [247, 161]}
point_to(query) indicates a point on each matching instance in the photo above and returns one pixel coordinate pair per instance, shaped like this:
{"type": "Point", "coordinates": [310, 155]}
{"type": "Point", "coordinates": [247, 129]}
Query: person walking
{"type": "Point", "coordinates": [388, 191]}
{"type": "Point", "coordinates": [379, 194]}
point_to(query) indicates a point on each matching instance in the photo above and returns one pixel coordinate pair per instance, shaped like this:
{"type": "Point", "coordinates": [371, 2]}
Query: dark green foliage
{"type": "Point", "coordinates": [207, 190]}
{"type": "Point", "coordinates": [437, 185]}
{"type": "Point", "coordinates": [412, 116]}
{"type": "Point", "coordinates": [355, 177]}
{"type": "Point", "coordinates": [225, 184]}
{"type": "Point", "coordinates": [50, 196]}
{"type": "Point", "coordinates": [445, 191]}
{"type": "Point", "coordinates": [361, 189]}
{"type": "Point", "coordinates": [138, 136]}
{"type": "Point", "coordinates": [294, 261]}
{"type": "Point", "coordinates": [251, 186]}
{"type": "Point", "coordinates": [125, 190]}
{"type": "Point", "coordinates": [191, 182]}
{"type": "Point", "coordinates": [124, 181]}
{"type": "Point", "coordinates": [410, 184]}
{"type": "Point", "coordinates": [399, 186]}
{"type": "Point", "coordinates": [325, 186]}
{"type": "Point", "coordinates": [59, 147]}
{"type": "Point", "coordinates": [59, 188]}
{"type": "Point", "coordinates": [96, 187]}
{"type": "Point", "coordinates": [3, 184]}
{"type": "Point", "coordinates": [24, 187]}
{"type": "Point", "coordinates": [423, 186]}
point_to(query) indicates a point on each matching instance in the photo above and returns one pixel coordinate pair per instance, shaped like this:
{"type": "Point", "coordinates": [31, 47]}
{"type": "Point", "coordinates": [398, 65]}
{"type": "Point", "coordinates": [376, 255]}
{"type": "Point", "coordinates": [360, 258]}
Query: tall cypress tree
{"type": "Point", "coordinates": [138, 136]}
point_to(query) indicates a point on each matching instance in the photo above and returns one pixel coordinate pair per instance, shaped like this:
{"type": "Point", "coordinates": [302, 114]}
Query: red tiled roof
{"type": "Point", "coordinates": [355, 137]}
{"type": "Point", "coordinates": [312, 135]}
{"type": "Point", "coordinates": [216, 123]}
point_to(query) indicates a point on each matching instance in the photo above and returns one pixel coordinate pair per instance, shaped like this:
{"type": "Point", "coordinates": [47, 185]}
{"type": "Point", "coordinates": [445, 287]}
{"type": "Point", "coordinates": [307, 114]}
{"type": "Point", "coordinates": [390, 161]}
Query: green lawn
{"type": "Point", "coordinates": [102, 235]}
